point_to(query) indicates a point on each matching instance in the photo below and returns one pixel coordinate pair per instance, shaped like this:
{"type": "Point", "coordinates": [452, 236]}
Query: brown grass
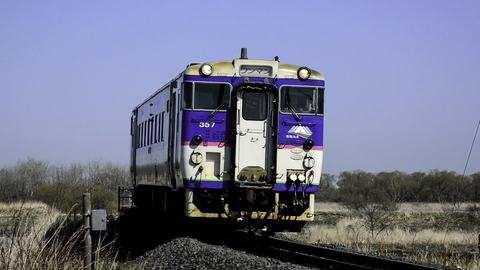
{"type": "Point", "coordinates": [422, 232]}
{"type": "Point", "coordinates": [32, 236]}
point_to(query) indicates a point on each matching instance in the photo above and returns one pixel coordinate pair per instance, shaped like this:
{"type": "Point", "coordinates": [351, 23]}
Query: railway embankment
{"type": "Point", "coordinates": [25, 242]}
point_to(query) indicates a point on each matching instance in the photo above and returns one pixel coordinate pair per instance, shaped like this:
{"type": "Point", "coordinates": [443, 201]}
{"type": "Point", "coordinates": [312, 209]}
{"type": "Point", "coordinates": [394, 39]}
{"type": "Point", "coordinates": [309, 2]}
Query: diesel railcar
{"type": "Point", "coordinates": [237, 141]}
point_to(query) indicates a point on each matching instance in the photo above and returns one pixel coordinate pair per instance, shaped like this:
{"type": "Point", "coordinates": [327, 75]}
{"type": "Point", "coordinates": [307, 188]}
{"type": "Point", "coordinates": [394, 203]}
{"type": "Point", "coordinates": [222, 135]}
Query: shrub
{"type": "Point", "coordinates": [60, 196]}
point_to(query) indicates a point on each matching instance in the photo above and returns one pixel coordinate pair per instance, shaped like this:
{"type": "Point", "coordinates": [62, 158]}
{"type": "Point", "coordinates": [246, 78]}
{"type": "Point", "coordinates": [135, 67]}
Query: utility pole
{"type": "Point", "coordinates": [87, 240]}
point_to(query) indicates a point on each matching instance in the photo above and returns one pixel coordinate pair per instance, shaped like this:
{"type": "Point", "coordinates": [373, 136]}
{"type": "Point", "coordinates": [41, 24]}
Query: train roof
{"type": "Point", "coordinates": [235, 67]}
{"type": "Point", "coordinates": [244, 67]}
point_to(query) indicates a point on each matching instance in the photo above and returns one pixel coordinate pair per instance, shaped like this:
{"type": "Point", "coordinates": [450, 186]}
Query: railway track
{"type": "Point", "coordinates": [141, 235]}
{"type": "Point", "coordinates": [310, 255]}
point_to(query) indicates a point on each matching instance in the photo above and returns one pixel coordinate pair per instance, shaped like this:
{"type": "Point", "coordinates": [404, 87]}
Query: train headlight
{"type": "Point", "coordinates": [206, 69]}
{"type": "Point", "coordinates": [292, 177]}
{"type": "Point", "coordinates": [196, 158]}
{"type": "Point", "coordinates": [197, 139]}
{"type": "Point", "coordinates": [308, 162]}
{"type": "Point", "coordinates": [303, 73]}
{"type": "Point", "coordinates": [301, 177]}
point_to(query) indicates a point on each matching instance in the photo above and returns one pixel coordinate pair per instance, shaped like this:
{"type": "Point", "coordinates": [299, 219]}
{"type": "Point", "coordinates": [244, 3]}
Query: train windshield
{"type": "Point", "coordinates": [206, 96]}
{"type": "Point", "coordinates": [301, 100]}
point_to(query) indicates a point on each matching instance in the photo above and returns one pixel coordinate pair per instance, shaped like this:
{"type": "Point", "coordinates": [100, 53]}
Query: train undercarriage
{"type": "Point", "coordinates": [246, 208]}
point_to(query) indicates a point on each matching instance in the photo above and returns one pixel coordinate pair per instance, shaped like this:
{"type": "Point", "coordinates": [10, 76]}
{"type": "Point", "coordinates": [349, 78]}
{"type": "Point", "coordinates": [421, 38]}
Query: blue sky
{"type": "Point", "coordinates": [402, 77]}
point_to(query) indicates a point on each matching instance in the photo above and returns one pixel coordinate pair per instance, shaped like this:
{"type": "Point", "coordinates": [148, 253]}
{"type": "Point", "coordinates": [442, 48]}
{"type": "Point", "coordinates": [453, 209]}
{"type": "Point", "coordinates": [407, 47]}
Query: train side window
{"type": "Point", "coordinates": [187, 95]}
{"type": "Point", "coordinates": [144, 133]}
{"type": "Point", "coordinates": [159, 126]}
{"type": "Point", "coordinates": [137, 136]}
{"type": "Point", "coordinates": [140, 126]}
{"type": "Point", "coordinates": [320, 99]}
{"type": "Point", "coordinates": [163, 124]}
{"type": "Point", "coordinates": [150, 134]}
{"type": "Point", "coordinates": [155, 125]}
{"type": "Point", "coordinates": [141, 135]}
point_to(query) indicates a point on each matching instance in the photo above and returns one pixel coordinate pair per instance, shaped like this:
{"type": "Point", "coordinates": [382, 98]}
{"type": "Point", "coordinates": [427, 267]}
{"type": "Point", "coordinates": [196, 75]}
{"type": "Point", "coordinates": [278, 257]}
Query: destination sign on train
{"type": "Point", "coordinates": [255, 71]}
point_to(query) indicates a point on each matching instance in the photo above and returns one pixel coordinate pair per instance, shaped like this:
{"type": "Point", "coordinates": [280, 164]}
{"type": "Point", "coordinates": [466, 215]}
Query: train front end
{"type": "Point", "coordinates": [252, 131]}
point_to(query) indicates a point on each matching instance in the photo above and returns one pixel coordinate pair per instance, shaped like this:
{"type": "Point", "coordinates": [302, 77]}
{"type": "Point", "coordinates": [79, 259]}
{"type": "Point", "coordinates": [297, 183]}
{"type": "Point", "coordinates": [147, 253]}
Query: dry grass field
{"type": "Point", "coordinates": [423, 232]}
{"type": "Point", "coordinates": [31, 237]}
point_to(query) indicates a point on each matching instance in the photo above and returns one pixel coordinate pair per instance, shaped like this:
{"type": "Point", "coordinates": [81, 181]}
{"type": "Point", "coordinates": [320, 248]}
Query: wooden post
{"type": "Point", "coordinates": [87, 207]}
{"type": "Point", "coordinates": [479, 242]}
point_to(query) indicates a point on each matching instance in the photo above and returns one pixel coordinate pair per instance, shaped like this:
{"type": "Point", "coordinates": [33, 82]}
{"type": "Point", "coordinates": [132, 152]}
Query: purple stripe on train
{"type": "Point", "coordinates": [215, 129]}
{"type": "Point", "coordinates": [228, 185]}
{"type": "Point", "coordinates": [219, 127]}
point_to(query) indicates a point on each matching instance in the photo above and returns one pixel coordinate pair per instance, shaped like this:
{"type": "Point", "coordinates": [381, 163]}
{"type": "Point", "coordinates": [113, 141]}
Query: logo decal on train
{"type": "Point", "coordinates": [300, 131]}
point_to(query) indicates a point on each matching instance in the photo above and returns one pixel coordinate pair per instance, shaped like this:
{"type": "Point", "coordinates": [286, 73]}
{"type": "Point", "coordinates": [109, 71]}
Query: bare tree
{"type": "Point", "coordinates": [395, 185]}
{"type": "Point", "coordinates": [21, 180]}
{"type": "Point", "coordinates": [438, 186]}
{"type": "Point", "coordinates": [360, 195]}
{"type": "Point", "coordinates": [106, 175]}
{"type": "Point", "coordinates": [73, 174]}
{"type": "Point", "coordinates": [476, 187]}
{"type": "Point", "coordinates": [9, 190]}
{"type": "Point", "coordinates": [327, 188]}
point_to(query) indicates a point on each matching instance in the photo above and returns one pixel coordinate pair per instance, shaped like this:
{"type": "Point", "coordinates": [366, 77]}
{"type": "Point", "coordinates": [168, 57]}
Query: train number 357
{"type": "Point", "coordinates": [206, 124]}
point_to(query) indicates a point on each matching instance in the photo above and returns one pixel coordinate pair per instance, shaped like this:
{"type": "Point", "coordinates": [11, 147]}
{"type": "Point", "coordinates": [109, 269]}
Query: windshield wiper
{"type": "Point", "coordinates": [218, 108]}
{"type": "Point", "coordinates": [293, 110]}
{"type": "Point", "coordinates": [289, 105]}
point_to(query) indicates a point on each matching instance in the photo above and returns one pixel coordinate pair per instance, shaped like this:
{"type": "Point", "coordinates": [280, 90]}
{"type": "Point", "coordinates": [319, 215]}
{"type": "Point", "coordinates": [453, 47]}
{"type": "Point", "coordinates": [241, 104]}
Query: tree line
{"type": "Point", "coordinates": [374, 197]}
{"type": "Point", "coordinates": [398, 187]}
{"type": "Point", "coordinates": [62, 185]}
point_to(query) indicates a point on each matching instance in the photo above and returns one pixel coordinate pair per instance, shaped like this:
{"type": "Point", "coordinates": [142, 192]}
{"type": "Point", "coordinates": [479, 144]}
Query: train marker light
{"type": "Point", "coordinates": [309, 144]}
{"type": "Point", "coordinates": [303, 73]}
{"type": "Point", "coordinates": [206, 69]}
{"type": "Point", "coordinates": [197, 139]}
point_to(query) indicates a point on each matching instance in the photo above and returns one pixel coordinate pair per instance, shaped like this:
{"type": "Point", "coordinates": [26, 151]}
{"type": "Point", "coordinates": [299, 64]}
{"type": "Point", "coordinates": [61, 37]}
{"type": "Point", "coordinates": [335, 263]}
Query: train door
{"type": "Point", "coordinates": [134, 146]}
{"type": "Point", "coordinates": [255, 134]}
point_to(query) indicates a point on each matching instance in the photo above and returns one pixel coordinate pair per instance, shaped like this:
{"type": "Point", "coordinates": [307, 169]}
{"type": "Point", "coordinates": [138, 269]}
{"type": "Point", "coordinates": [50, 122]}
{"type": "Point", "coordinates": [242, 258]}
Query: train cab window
{"type": "Point", "coordinates": [254, 106]}
{"type": "Point", "coordinates": [301, 100]}
{"type": "Point", "coordinates": [206, 96]}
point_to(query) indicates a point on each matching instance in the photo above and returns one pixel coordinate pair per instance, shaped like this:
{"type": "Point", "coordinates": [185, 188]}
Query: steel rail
{"type": "Point", "coordinates": [314, 256]}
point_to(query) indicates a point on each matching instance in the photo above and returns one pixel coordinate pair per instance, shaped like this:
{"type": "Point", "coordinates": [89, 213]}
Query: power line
{"type": "Point", "coordinates": [468, 158]}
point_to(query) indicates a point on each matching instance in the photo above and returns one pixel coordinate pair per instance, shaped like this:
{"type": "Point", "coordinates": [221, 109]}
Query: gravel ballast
{"type": "Point", "coordinates": [189, 253]}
